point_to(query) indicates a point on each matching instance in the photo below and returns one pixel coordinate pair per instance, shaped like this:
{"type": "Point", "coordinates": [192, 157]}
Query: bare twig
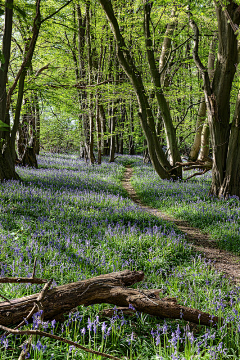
{"type": "Point", "coordinates": [44, 291]}
{"type": "Point", "coordinates": [27, 317]}
{"type": "Point", "coordinates": [185, 115]}
{"type": "Point", "coordinates": [22, 280]}
{"type": "Point", "coordinates": [198, 173]}
{"type": "Point", "coordinates": [55, 12]}
{"type": "Point", "coordinates": [34, 268]}
{"type": "Point", "coordinates": [39, 71]}
{"type": "Point", "coordinates": [5, 298]}
{"type": "Point", "coordinates": [205, 165]}
{"type": "Point", "coordinates": [59, 338]}
{"type": "Point", "coordinates": [25, 348]}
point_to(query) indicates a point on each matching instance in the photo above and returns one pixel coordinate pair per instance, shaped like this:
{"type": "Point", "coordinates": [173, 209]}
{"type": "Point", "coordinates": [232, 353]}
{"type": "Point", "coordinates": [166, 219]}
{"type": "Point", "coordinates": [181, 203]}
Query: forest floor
{"type": "Point", "coordinates": [222, 260]}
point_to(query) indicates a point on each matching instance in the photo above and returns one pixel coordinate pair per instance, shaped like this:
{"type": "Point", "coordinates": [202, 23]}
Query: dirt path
{"type": "Point", "coordinates": [224, 261]}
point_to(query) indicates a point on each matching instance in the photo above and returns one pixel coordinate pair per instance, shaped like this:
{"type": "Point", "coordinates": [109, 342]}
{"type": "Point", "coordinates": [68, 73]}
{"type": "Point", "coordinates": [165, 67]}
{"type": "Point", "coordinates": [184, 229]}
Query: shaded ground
{"type": "Point", "coordinates": [223, 260]}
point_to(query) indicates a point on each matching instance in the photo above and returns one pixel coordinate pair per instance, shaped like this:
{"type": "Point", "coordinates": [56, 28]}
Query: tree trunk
{"type": "Point", "coordinates": [109, 288]}
{"type": "Point", "coordinates": [7, 166]}
{"type": "Point", "coordinates": [36, 145]}
{"type": "Point", "coordinates": [159, 160]}
{"type": "Point", "coordinates": [146, 157]}
{"type": "Point", "coordinates": [122, 124]}
{"type": "Point", "coordinates": [174, 153]}
{"type": "Point", "coordinates": [7, 155]}
{"type": "Point", "coordinates": [204, 150]}
{"type": "Point", "coordinates": [219, 100]}
{"type": "Point", "coordinates": [99, 134]}
{"type": "Point", "coordinates": [104, 130]}
{"type": "Point", "coordinates": [131, 150]}
{"type": "Point", "coordinates": [7, 158]}
{"type": "Point", "coordinates": [6, 48]}
{"type": "Point", "coordinates": [199, 127]}
{"type": "Point", "coordinates": [112, 135]}
{"type": "Point", "coordinates": [231, 183]}
{"type": "Point", "coordinates": [166, 48]}
{"type": "Point", "coordinates": [201, 140]}
{"type": "Point", "coordinates": [217, 97]}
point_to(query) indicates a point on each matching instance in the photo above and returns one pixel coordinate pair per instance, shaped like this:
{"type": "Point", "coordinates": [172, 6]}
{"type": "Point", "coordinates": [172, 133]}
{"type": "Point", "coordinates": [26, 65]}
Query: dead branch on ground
{"type": "Point", "coordinates": [109, 288]}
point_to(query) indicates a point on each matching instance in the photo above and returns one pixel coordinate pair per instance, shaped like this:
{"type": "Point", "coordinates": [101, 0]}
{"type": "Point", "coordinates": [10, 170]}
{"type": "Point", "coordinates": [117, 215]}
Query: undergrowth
{"type": "Point", "coordinates": [79, 222]}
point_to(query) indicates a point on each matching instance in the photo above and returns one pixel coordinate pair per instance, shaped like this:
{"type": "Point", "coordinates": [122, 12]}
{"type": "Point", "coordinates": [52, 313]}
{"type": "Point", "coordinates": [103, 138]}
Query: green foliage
{"type": "Point", "coordinates": [3, 126]}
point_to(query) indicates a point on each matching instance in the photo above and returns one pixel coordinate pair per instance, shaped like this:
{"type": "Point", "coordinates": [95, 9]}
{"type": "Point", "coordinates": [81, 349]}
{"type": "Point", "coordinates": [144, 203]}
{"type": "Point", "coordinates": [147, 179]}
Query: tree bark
{"type": "Point", "coordinates": [7, 155]}
{"type": "Point", "coordinates": [110, 289]}
{"type": "Point", "coordinates": [217, 97]}
{"type": "Point", "coordinates": [112, 132]}
{"type": "Point", "coordinates": [199, 126]}
{"type": "Point", "coordinates": [159, 160]}
{"type": "Point", "coordinates": [7, 158]}
{"type": "Point", "coordinates": [231, 183]}
{"type": "Point", "coordinates": [174, 153]}
{"type": "Point", "coordinates": [104, 130]}
{"type": "Point", "coordinates": [201, 140]}
{"type": "Point", "coordinates": [131, 147]}
{"type": "Point", "coordinates": [204, 149]}
{"type": "Point", "coordinates": [219, 100]}
{"type": "Point", "coordinates": [166, 48]}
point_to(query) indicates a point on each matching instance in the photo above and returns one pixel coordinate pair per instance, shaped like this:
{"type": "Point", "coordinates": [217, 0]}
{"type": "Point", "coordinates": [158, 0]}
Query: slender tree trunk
{"type": "Point", "coordinates": [104, 130]}
{"type": "Point", "coordinates": [37, 124]}
{"type": "Point", "coordinates": [202, 112]}
{"type": "Point", "coordinates": [146, 157]}
{"type": "Point", "coordinates": [201, 139]}
{"type": "Point", "coordinates": [162, 103]}
{"type": "Point", "coordinates": [112, 130]}
{"type": "Point", "coordinates": [99, 133]}
{"type": "Point", "coordinates": [157, 155]}
{"type": "Point", "coordinates": [166, 48]}
{"type": "Point", "coordinates": [205, 135]}
{"type": "Point", "coordinates": [131, 150]}
{"type": "Point", "coordinates": [122, 123]}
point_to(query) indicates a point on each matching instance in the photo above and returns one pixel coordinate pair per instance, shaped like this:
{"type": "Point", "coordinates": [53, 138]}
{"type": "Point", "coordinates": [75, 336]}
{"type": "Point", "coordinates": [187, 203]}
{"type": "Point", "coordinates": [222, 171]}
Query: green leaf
{"type": "Point", "coordinates": [20, 11]}
{"type": "Point", "coordinates": [3, 126]}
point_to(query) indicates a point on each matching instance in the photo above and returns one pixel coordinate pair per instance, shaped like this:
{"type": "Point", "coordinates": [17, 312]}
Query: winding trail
{"type": "Point", "coordinates": [223, 260]}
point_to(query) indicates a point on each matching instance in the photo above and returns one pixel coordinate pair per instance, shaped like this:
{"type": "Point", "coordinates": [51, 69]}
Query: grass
{"type": "Point", "coordinates": [78, 221]}
{"type": "Point", "coordinates": [189, 201]}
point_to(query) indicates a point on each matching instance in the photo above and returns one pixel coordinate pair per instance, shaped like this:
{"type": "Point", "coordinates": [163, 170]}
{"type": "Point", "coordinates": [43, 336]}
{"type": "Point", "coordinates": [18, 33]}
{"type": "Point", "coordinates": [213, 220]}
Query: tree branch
{"type": "Point", "coordinates": [55, 12]}
{"type": "Point", "coordinates": [58, 338]}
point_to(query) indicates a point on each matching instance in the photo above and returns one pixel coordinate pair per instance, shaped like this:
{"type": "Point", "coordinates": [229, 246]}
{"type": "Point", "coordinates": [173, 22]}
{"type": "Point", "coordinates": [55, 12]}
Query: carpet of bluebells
{"type": "Point", "coordinates": [78, 222]}
{"type": "Point", "coordinates": [190, 201]}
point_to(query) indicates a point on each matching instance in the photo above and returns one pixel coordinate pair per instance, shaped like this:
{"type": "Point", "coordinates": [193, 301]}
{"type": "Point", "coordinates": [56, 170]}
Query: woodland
{"type": "Point", "coordinates": [89, 90]}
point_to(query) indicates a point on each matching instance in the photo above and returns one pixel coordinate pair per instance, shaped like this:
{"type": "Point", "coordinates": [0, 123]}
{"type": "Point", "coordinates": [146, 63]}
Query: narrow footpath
{"type": "Point", "coordinates": [222, 260]}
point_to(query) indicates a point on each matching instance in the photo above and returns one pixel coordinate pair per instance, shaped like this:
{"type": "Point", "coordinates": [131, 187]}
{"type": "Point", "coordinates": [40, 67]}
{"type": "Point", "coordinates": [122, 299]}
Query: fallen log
{"type": "Point", "coordinates": [109, 288]}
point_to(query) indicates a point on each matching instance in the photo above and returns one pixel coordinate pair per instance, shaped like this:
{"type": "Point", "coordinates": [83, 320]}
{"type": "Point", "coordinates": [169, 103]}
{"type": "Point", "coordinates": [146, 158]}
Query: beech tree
{"type": "Point", "coordinates": [7, 138]}
{"type": "Point", "coordinates": [224, 134]}
{"type": "Point", "coordinates": [7, 131]}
